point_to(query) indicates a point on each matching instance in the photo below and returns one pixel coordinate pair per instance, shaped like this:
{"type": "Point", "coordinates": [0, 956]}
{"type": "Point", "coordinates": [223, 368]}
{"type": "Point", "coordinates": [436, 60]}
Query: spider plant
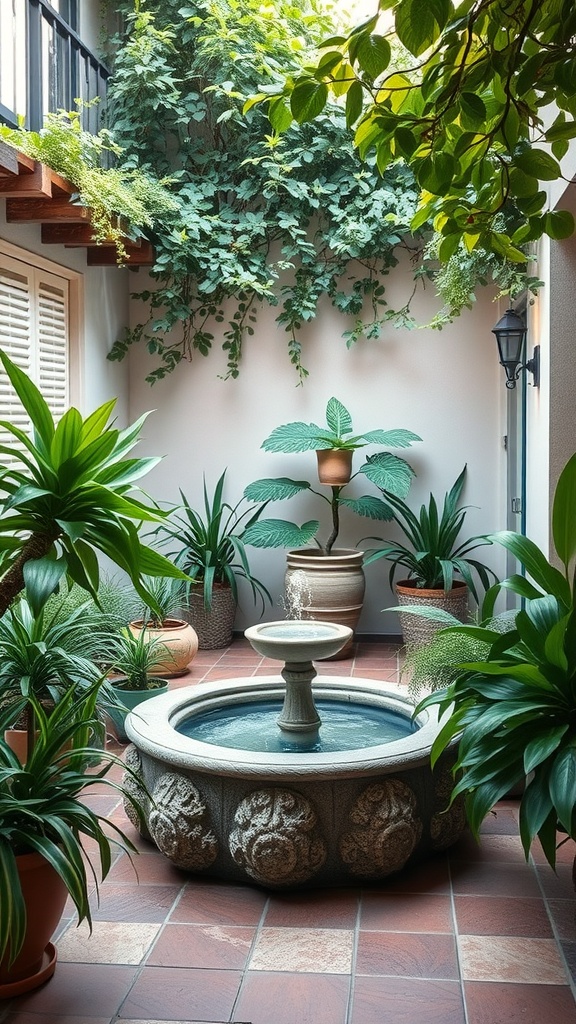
{"type": "Point", "coordinates": [42, 810]}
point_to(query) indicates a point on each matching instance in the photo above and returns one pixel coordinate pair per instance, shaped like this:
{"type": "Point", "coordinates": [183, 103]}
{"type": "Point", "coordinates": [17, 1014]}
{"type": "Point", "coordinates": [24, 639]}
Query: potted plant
{"type": "Point", "coordinates": [70, 497]}
{"type": "Point", "coordinates": [515, 710]}
{"type": "Point", "coordinates": [177, 640]}
{"type": "Point", "coordinates": [134, 657]}
{"type": "Point", "coordinates": [331, 580]}
{"type": "Point", "coordinates": [213, 554]}
{"type": "Point", "coordinates": [441, 573]}
{"type": "Point", "coordinates": [44, 654]}
{"type": "Point", "coordinates": [43, 827]}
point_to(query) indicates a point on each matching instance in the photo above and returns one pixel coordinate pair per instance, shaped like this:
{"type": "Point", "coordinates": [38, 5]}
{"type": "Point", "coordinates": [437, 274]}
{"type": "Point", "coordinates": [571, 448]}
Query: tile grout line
{"type": "Point", "coordinates": [571, 982]}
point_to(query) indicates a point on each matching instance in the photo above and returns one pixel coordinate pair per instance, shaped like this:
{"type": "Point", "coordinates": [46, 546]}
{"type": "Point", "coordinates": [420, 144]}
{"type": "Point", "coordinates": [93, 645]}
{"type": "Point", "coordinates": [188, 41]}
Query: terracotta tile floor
{"type": "Point", "coordinates": [475, 936]}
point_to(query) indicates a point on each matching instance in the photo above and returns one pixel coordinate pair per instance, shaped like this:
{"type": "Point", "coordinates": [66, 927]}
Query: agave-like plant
{"type": "Point", "coordinates": [516, 708]}
{"type": "Point", "coordinates": [42, 810]}
{"type": "Point", "coordinates": [68, 497]}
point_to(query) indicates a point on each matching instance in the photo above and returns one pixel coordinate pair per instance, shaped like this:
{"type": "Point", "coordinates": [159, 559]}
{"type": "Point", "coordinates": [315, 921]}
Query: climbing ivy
{"type": "Point", "coordinates": [269, 211]}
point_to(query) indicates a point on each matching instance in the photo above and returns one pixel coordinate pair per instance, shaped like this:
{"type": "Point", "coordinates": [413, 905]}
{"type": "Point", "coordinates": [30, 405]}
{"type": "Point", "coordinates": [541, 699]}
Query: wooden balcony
{"type": "Point", "coordinates": [36, 194]}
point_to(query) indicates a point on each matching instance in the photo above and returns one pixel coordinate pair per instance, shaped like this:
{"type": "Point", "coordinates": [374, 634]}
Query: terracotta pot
{"type": "Point", "coordinates": [180, 641]}
{"type": "Point", "coordinates": [45, 897]}
{"type": "Point", "coordinates": [330, 588]}
{"type": "Point", "coordinates": [215, 628]}
{"type": "Point", "coordinates": [130, 699]}
{"type": "Point", "coordinates": [418, 631]}
{"type": "Point", "coordinates": [334, 466]}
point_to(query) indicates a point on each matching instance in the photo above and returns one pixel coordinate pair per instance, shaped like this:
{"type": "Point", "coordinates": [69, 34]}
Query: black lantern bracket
{"type": "Point", "coordinates": [510, 334]}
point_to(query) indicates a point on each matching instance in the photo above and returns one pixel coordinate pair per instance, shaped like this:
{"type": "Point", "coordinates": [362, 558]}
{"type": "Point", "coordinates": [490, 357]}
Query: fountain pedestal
{"type": "Point", "coordinates": [299, 712]}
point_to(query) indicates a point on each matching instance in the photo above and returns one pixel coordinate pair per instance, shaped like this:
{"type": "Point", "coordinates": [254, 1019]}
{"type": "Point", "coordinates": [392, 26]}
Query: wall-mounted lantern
{"type": "Point", "coordinates": [510, 333]}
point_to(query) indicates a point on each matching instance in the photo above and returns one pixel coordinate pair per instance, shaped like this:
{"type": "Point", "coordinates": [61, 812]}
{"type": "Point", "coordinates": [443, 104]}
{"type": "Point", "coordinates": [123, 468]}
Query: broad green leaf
{"type": "Point", "coordinates": [279, 114]}
{"type": "Point", "coordinates": [539, 749]}
{"type": "Point", "coordinates": [416, 26]}
{"type": "Point", "coordinates": [391, 438]}
{"type": "Point", "coordinates": [539, 164]}
{"type": "Point", "coordinates": [274, 489]}
{"type": "Point", "coordinates": [369, 506]}
{"type": "Point", "coordinates": [559, 224]}
{"type": "Point", "coordinates": [389, 473]}
{"type": "Point", "coordinates": [42, 576]}
{"type": "Point", "coordinates": [338, 418]}
{"type": "Point", "coordinates": [297, 437]}
{"type": "Point", "coordinates": [308, 99]}
{"type": "Point", "coordinates": [536, 564]}
{"type": "Point", "coordinates": [373, 54]}
{"type": "Point", "coordinates": [278, 533]}
{"type": "Point", "coordinates": [535, 808]}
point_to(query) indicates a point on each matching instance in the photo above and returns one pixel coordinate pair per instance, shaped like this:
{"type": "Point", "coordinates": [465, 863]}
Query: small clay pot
{"type": "Point", "coordinates": [334, 466]}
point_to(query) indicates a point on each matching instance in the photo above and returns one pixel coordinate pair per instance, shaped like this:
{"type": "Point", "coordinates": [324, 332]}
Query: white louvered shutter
{"type": "Point", "coordinates": [34, 330]}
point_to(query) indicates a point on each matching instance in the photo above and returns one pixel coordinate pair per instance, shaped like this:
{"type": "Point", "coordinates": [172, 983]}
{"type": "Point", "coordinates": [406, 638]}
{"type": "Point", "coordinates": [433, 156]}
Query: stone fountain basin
{"type": "Point", "coordinates": [289, 819]}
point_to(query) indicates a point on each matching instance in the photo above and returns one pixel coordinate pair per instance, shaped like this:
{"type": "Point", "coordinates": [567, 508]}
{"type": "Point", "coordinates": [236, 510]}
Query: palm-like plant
{"type": "Point", "coordinates": [212, 547]}
{"type": "Point", "coordinates": [433, 553]}
{"type": "Point", "coordinates": [388, 472]}
{"type": "Point", "coordinates": [41, 810]}
{"type": "Point", "coordinates": [68, 498]}
{"type": "Point", "coordinates": [516, 708]}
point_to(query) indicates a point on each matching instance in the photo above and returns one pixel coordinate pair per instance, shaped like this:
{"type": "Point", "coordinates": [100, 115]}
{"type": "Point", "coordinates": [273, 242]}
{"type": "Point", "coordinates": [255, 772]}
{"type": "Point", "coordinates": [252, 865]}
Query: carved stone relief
{"type": "Point", "coordinates": [275, 838]}
{"type": "Point", "coordinates": [385, 829]}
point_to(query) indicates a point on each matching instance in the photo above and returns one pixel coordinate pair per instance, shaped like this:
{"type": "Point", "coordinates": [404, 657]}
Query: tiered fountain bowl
{"type": "Point", "coordinates": [291, 780]}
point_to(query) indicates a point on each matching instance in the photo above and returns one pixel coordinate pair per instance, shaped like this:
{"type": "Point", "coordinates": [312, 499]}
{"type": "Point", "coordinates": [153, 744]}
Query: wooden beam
{"type": "Point", "coordinates": [73, 235]}
{"type": "Point", "coordinates": [29, 185]}
{"type": "Point", "coordinates": [46, 210]}
{"type": "Point", "coordinates": [14, 162]}
{"type": "Point", "coordinates": [106, 256]}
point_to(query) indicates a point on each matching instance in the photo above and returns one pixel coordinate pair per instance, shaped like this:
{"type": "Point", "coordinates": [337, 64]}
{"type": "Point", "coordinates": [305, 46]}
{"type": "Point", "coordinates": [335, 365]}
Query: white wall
{"type": "Point", "coordinates": [105, 301]}
{"type": "Point", "coordinates": [445, 386]}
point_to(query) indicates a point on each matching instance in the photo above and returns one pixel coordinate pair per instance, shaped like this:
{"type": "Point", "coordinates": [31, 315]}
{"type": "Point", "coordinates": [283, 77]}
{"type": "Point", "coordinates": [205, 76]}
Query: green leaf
{"type": "Point", "coordinates": [563, 786]}
{"type": "Point", "coordinates": [540, 748]}
{"type": "Point", "coordinates": [42, 576]}
{"type": "Point", "coordinates": [389, 473]}
{"type": "Point", "coordinates": [338, 418]}
{"type": "Point", "coordinates": [274, 489]}
{"type": "Point", "coordinates": [370, 507]}
{"type": "Point", "coordinates": [536, 564]}
{"type": "Point", "coordinates": [31, 399]}
{"type": "Point", "coordinates": [538, 164]}
{"type": "Point", "coordinates": [298, 437]}
{"type": "Point", "coordinates": [473, 110]}
{"type": "Point", "coordinates": [279, 114]}
{"type": "Point", "coordinates": [308, 99]}
{"type": "Point", "coordinates": [559, 224]}
{"type": "Point", "coordinates": [373, 54]}
{"type": "Point", "coordinates": [416, 24]}
{"type": "Point", "coordinates": [354, 103]}
{"type": "Point", "coordinates": [278, 533]}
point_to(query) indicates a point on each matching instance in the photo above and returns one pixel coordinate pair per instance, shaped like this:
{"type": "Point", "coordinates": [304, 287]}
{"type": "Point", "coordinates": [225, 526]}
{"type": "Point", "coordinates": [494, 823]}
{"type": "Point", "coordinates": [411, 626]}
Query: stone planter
{"type": "Point", "coordinates": [329, 588]}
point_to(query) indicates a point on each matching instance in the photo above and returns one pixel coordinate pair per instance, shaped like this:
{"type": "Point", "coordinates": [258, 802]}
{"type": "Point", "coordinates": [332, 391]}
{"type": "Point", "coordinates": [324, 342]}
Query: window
{"type": "Point", "coordinates": [37, 332]}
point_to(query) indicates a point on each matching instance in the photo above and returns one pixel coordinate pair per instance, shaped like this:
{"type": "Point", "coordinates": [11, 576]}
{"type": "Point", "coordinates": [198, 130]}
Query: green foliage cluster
{"type": "Point", "coordinates": [270, 211]}
{"type": "Point", "coordinates": [515, 709]}
{"type": "Point", "coordinates": [391, 474]}
{"type": "Point", "coordinates": [123, 200]}
{"type": "Point", "coordinates": [467, 114]}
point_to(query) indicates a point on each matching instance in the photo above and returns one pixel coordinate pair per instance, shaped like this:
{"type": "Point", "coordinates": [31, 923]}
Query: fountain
{"type": "Point", "coordinates": [272, 780]}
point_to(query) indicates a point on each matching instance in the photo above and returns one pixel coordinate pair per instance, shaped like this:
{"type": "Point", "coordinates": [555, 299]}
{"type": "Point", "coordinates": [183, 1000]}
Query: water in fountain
{"type": "Point", "coordinates": [298, 595]}
{"type": "Point", "coordinates": [250, 726]}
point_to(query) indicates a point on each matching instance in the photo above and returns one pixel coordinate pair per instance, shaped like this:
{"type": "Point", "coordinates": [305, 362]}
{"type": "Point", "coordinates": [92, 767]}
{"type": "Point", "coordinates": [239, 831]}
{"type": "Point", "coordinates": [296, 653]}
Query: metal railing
{"type": "Point", "coordinates": [45, 66]}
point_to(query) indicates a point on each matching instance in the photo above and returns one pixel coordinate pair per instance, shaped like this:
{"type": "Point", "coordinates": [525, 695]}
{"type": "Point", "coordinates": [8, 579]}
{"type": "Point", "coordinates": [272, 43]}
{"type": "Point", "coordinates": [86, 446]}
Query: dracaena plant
{"type": "Point", "coordinates": [42, 811]}
{"type": "Point", "coordinates": [515, 710]}
{"type": "Point", "coordinates": [390, 473]}
{"type": "Point", "coordinates": [69, 494]}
